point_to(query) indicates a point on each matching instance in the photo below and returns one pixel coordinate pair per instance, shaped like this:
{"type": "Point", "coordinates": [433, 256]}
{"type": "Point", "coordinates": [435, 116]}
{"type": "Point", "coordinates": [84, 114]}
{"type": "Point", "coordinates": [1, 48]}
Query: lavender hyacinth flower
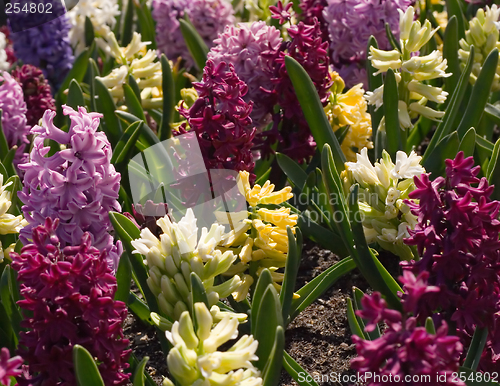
{"type": "Point", "coordinates": [13, 106]}
{"type": "Point", "coordinates": [78, 185]}
{"type": "Point", "coordinates": [251, 48]}
{"type": "Point", "coordinates": [350, 25]}
{"type": "Point", "coordinates": [209, 17]}
{"type": "Point", "coordinates": [43, 40]}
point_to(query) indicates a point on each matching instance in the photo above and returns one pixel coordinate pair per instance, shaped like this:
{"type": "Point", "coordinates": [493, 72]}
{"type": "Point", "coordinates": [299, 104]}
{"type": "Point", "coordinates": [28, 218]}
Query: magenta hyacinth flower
{"type": "Point", "coordinates": [209, 17]}
{"type": "Point", "coordinates": [405, 349]}
{"type": "Point", "coordinates": [252, 49]}
{"type": "Point", "coordinates": [457, 239]}
{"type": "Point", "coordinates": [313, 9]}
{"type": "Point", "coordinates": [14, 123]}
{"type": "Point", "coordinates": [68, 294]}
{"type": "Point", "coordinates": [221, 119]}
{"type": "Point", "coordinates": [9, 367]}
{"type": "Point", "coordinates": [78, 185]}
{"type": "Point", "coordinates": [37, 93]}
{"type": "Point", "coordinates": [350, 25]}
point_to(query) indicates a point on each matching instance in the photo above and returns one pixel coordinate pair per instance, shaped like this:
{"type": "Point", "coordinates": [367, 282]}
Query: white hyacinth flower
{"type": "Point", "coordinates": [194, 359]}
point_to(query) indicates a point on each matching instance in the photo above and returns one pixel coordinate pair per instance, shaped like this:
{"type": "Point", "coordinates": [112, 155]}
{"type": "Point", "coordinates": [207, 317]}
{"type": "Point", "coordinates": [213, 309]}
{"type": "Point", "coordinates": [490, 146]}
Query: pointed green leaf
{"type": "Point", "coordinates": [265, 280]}
{"type": "Point", "coordinates": [139, 378]}
{"type": "Point", "coordinates": [480, 94]}
{"type": "Point", "coordinates": [292, 170]}
{"type": "Point", "coordinates": [86, 371]}
{"type": "Point", "coordinates": [13, 189]}
{"type": "Point", "coordinates": [75, 95]}
{"type": "Point", "coordinates": [353, 321]}
{"type": "Point", "coordinates": [147, 136]}
{"type": "Point", "coordinates": [272, 369]}
{"type": "Point", "coordinates": [297, 372]}
{"type": "Point", "coordinates": [195, 44]}
{"type": "Point", "coordinates": [198, 292]}
{"type": "Point", "coordinates": [454, 9]}
{"type": "Point", "coordinates": [77, 73]}
{"type": "Point", "coordinates": [89, 32]}
{"type": "Point", "coordinates": [168, 85]}
{"type": "Point", "coordinates": [392, 127]}
{"type": "Point", "coordinates": [453, 108]}
{"type": "Point", "coordinates": [134, 364]}
{"type": "Point", "coordinates": [476, 348]}
{"type": "Point", "coordinates": [450, 53]}
{"type": "Point", "coordinates": [135, 87]}
{"type": "Point", "coordinates": [341, 133]}
{"type": "Point", "coordinates": [291, 270]}
{"type": "Point", "coordinates": [106, 106]}
{"type": "Point", "coordinates": [468, 143]}
{"type": "Point", "coordinates": [380, 141]}
{"type": "Point", "coordinates": [493, 171]}
{"type": "Point", "coordinates": [446, 148]}
{"type": "Point", "coordinates": [319, 285]}
{"type": "Point", "coordinates": [374, 81]}
{"type": "Point", "coordinates": [123, 278]}
{"type": "Point", "coordinates": [139, 308]}
{"type": "Point", "coordinates": [133, 103]}
{"type": "Point", "coordinates": [429, 326]}
{"type": "Point", "coordinates": [125, 145]}
{"type": "Point", "coordinates": [127, 26]}
{"type": "Point", "coordinates": [93, 71]}
{"type": "Point", "coordinates": [146, 23]}
{"type": "Point", "coordinates": [8, 162]}
{"type": "Point", "coordinates": [313, 110]}
{"type": "Point", "coordinates": [7, 297]}
{"type": "Point", "coordinates": [392, 39]}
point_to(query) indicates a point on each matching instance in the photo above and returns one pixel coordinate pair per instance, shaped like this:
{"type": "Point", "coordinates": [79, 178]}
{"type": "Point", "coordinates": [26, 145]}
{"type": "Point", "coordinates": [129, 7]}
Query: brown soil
{"type": "Point", "coordinates": [319, 338]}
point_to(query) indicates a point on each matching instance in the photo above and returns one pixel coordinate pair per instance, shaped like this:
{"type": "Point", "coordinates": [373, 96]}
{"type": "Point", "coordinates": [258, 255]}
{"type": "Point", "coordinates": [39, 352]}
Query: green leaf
{"type": "Point", "coordinates": [8, 299]}
{"type": "Point", "coordinates": [480, 94]}
{"type": "Point", "coordinates": [89, 32]}
{"type": "Point", "coordinates": [272, 370]}
{"type": "Point", "coordinates": [86, 371]}
{"type": "Point", "coordinates": [93, 71]}
{"type": "Point", "coordinates": [77, 73]}
{"type": "Point", "coordinates": [450, 53]}
{"type": "Point", "coordinates": [291, 270]}
{"type": "Point", "coordinates": [468, 143]}
{"type": "Point", "coordinates": [195, 44]}
{"type": "Point", "coordinates": [453, 108]}
{"type": "Point", "coordinates": [133, 103]}
{"type": "Point", "coordinates": [353, 321]}
{"type": "Point", "coordinates": [292, 170]}
{"type": "Point", "coordinates": [147, 136]}
{"type": "Point", "coordinates": [198, 292]}
{"type": "Point", "coordinates": [493, 171]}
{"type": "Point", "coordinates": [374, 81]}
{"type": "Point", "coordinates": [492, 112]}
{"type": "Point", "coordinates": [125, 145]}
{"type": "Point", "coordinates": [146, 23]}
{"type": "Point", "coordinates": [392, 39]}
{"type": "Point", "coordinates": [374, 272]}
{"type": "Point", "coordinates": [446, 148]}
{"type": "Point", "coordinates": [269, 317]}
{"type": "Point", "coordinates": [476, 348]}
{"type": "Point", "coordinates": [139, 378]}
{"type": "Point", "coordinates": [313, 110]}
{"type": "Point", "coordinates": [75, 95]}
{"type": "Point", "coordinates": [123, 278]}
{"type": "Point", "coordinates": [429, 326]}
{"type": "Point", "coordinates": [127, 231]}
{"type": "Point", "coordinates": [13, 189]}
{"type": "Point", "coordinates": [297, 372]}
{"type": "Point", "coordinates": [380, 142]}
{"type": "Point", "coordinates": [392, 127]}
{"type": "Point", "coordinates": [454, 9]}
{"type": "Point", "coordinates": [319, 285]}
{"type": "Point", "coordinates": [139, 308]}
{"type": "Point", "coordinates": [106, 106]}
{"type": "Point", "coordinates": [7, 336]}
{"type": "Point", "coordinates": [265, 280]}
{"type": "Point", "coordinates": [127, 26]}
{"type": "Point", "coordinates": [134, 364]}
{"type": "Point", "coordinates": [135, 88]}
{"type": "Point", "coordinates": [8, 162]}
{"type": "Point", "coordinates": [341, 133]}
{"type": "Point", "coordinates": [168, 85]}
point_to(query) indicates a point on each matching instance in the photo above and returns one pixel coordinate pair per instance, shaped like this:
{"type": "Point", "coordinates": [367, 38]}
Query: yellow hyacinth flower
{"type": "Point", "coordinates": [262, 195]}
{"type": "Point", "coordinates": [349, 109]}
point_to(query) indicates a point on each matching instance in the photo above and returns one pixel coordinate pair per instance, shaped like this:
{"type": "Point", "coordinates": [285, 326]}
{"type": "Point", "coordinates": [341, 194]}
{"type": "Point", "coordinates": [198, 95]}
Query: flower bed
{"type": "Point", "coordinates": [248, 193]}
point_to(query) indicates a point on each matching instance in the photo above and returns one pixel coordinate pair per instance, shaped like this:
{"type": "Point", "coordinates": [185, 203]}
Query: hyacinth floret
{"type": "Point", "coordinates": [350, 25]}
{"type": "Point", "coordinates": [14, 122]}
{"type": "Point", "coordinates": [102, 14]}
{"type": "Point", "coordinates": [177, 253]}
{"type": "Point", "coordinates": [46, 43]}
{"type": "Point", "coordinates": [9, 367]}
{"type": "Point", "coordinates": [195, 358]}
{"type": "Point", "coordinates": [383, 189]}
{"type": "Point", "coordinates": [221, 119]}
{"type": "Point", "coordinates": [68, 298]}
{"type": "Point", "coordinates": [37, 92]}
{"type": "Point", "coordinates": [78, 184]}
{"type": "Point", "coordinates": [311, 10]}
{"type": "Point", "coordinates": [405, 349]}
{"type": "Point", "coordinates": [251, 48]}
{"type": "Point", "coordinates": [209, 17]}
{"type": "Point", "coordinates": [294, 135]}
{"type": "Point", "coordinates": [457, 238]}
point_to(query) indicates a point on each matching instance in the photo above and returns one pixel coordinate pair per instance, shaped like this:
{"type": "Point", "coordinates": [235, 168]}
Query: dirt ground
{"type": "Point", "coordinates": [319, 338]}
